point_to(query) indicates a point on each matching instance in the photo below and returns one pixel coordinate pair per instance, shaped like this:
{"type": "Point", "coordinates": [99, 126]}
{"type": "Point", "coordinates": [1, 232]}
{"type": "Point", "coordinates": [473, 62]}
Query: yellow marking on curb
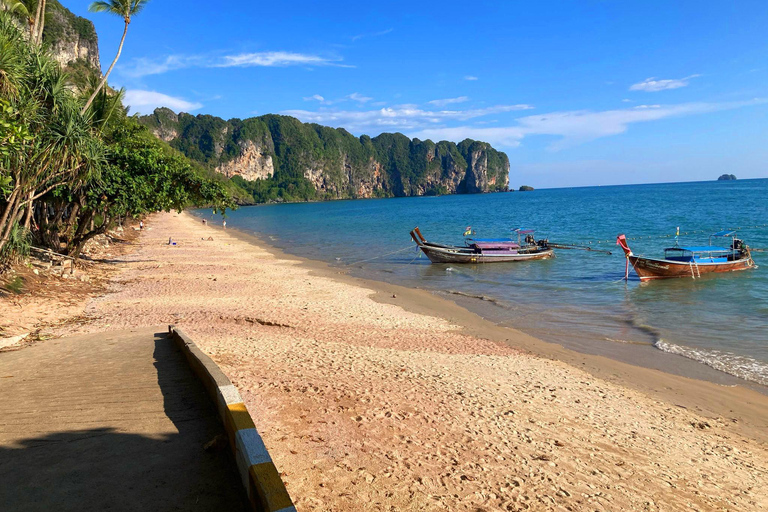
{"type": "Point", "coordinates": [270, 488]}
{"type": "Point", "coordinates": [239, 417]}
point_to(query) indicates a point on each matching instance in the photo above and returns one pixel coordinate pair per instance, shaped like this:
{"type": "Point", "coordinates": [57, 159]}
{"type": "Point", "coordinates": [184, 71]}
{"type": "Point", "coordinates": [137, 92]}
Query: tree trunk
{"type": "Point", "coordinates": [104, 80]}
{"type": "Point", "coordinates": [36, 23]}
{"type": "Point", "coordinates": [82, 235]}
{"type": "Point", "coordinates": [28, 213]}
{"type": "Point", "coordinates": [41, 26]}
{"type": "Point", "coordinates": [8, 215]}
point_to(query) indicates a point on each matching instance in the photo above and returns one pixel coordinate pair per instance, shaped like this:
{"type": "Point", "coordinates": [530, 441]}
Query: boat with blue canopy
{"type": "Point", "coordinates": [692, 261]}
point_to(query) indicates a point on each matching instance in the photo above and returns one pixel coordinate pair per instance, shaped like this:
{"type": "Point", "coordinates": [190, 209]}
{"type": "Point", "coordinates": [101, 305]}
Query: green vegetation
{"type": "Point", "coordinates": [278, 190]}
{"type": "Point", "coordinates": [59, 21]}
{"type": "Point", "coordinates": [65, 176]}
{"type": "Point", "coordinates": [81, 74]}
{"type": "Point", "coordinates": [388, 165]}
{"type": "Point", "coordinates": [727, 177]}
{"type": "Point", "coordinates": [525, 188]}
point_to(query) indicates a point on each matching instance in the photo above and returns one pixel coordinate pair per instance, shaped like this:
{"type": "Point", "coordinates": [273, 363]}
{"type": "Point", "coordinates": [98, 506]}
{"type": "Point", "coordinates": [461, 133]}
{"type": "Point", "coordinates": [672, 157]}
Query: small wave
{"type": "Point", "coordinates": [743, 367]}
{"type": "Point", "coordinates": [626, 342]}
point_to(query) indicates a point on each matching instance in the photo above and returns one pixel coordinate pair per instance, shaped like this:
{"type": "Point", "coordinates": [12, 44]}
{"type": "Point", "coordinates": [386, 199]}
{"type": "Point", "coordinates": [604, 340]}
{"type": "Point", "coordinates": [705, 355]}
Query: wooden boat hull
{"type": "Point", "coordinates": [648, 268]}
{"type": "Point", "coordinates": [447, 254]}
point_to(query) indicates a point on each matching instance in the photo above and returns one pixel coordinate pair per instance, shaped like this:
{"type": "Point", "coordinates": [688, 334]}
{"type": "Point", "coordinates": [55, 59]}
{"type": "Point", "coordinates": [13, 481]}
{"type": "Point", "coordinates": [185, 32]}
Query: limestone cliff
{"type": "Point", "coordinates": [251, 164]}
{"type": "Point", "coordinates": [70, 37]}
{"type": "Point", "coordinates": [330, 163]}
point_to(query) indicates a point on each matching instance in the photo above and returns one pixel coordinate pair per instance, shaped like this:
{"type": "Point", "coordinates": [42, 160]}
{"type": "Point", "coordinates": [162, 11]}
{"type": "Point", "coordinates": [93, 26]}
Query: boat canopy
{"type": "Point", "coordinates": [490, 240]}
{"type": "Point", "coordinates": [700, 248]}
{"type": "Point", "coordinates": [496, 245]}
{"type": "Point", "coordinates": [724, 233]}
{"type": "Point", "coordinates": [521, 231]}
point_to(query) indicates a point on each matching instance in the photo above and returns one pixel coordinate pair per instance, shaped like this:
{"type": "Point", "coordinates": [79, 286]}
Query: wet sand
{"type": "Point", "coordinates": [376, 397]}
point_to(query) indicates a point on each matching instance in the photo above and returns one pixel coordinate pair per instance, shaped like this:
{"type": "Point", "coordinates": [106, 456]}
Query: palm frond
{"type": "Point", "coordinates": [112, 6]}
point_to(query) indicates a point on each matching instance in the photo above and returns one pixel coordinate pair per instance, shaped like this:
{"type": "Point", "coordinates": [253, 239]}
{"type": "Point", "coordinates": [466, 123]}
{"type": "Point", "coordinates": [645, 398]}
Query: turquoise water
{"type": "Point", "coordinates": [578, 299]}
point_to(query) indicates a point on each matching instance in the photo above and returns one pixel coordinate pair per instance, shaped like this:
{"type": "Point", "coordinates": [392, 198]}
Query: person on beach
{"type": "Point", "coordinates": [205, 222]}
{"type": "Point", "coordinates": [141, 225]}
{"type": "Point", "coordinates": [224, 224]}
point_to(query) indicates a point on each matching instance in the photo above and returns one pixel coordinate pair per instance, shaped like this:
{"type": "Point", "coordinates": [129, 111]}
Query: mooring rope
{"type": "Point", "coordinates": [695, 232]}
{"type": "Point", "coordinates": [383, 255]}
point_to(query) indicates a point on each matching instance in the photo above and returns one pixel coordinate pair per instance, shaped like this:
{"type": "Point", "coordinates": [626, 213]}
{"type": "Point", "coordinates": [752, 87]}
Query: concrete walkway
{"type": "Point", "coordinates": [111, 421]}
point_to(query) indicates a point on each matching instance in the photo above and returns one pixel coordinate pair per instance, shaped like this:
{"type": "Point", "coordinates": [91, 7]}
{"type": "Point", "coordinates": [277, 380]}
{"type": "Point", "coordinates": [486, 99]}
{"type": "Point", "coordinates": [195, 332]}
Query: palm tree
{"type": "Point", "coordinates": [25, 9]}
{"type": "Point", "coordinates": [125, 9]}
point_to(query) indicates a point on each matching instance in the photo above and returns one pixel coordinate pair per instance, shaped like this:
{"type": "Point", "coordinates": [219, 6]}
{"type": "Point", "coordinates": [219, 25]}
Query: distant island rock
{"type": "Point", "coordinates": [525, 188]}
{"type": "Point", "coordinates": [727, 177]}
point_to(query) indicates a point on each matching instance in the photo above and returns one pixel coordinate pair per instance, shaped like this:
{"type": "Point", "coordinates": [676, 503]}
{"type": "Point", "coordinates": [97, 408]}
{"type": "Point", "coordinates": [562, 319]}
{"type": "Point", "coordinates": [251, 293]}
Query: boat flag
{"type": "Point", "coordinates": [677, 234]}
{"type": "Point", "coordinates": [468, 231]}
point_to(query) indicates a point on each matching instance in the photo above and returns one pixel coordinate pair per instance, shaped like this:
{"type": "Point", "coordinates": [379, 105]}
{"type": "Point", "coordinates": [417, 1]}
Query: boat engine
{"type": "Point", "coordinates": [529, 240]}
{"type": "Point", "coordinates": [543, 243]}
{"type": "Point", "coordinates": [738, 245]}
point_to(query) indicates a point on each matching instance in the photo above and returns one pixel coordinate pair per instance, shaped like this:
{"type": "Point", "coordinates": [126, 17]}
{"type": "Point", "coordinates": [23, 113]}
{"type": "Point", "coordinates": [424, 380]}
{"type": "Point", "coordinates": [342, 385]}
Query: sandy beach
{"type": "Point", "coordinates": [374, 397]}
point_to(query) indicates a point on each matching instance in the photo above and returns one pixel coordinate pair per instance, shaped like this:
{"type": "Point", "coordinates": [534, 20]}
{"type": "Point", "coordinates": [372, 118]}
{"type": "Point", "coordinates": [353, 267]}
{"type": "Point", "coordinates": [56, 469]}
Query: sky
{"type": "Point", "coordinates": [576, 93]}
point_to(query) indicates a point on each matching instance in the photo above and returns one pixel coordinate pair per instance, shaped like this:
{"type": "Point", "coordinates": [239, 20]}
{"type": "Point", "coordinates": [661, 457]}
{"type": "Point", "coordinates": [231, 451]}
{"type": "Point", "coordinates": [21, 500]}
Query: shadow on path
{"type": "Point", "coordinates": [106, 469]}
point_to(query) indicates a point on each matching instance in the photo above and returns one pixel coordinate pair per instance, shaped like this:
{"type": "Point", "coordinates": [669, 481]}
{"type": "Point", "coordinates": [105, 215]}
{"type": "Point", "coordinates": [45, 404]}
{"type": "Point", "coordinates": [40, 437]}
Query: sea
{"type": "Point", "coordinates": [579, 299]}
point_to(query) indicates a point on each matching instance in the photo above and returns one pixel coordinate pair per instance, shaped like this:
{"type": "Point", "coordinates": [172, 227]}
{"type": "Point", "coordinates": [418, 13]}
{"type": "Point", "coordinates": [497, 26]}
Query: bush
{"type": "Point", "coordinates": [18, 247]}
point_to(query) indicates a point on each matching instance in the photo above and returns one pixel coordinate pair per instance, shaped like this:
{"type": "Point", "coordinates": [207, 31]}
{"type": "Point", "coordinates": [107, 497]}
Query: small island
{"type": "Point", "coordinates": [526, 188]}
{"type": "Point", "coordinates": [727, 177]}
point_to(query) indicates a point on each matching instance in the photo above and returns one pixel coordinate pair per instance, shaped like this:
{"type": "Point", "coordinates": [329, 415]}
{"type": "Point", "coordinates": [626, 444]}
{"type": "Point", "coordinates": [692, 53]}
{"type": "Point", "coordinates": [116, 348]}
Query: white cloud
{"type": "Point", "coordinates": [653, 85]}
{"type": "Point", "coordinates": [272, 59]}
{"type": "Point", "coordinates": [470, 77]}
{"type": "Point", "coordinates": [140, 67]}
{"type": "Point", "coordinates": [359, 97]}
{"type": "Point", "coordinates": [448, 101]}
{"type": "Point", "coordinates": [372, 34]}
{"type": "Point", "coordinates": [315, 97]}
{"type": "Point", "coordinates": [625, 100]}
{"type": "Point", "coordinates": [576, 127]}
{"type": "Point", "coordinates": [145, 102]}
{"type": "Point", "coordinates": [398, 118]}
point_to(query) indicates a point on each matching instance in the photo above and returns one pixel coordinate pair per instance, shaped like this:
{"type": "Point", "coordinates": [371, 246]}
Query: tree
{"type": "Point", "coordinates": [66, 177]}
{"type": "Point", "coordinates": [142, 175]}
{"type": "Point", "coordinates": [125, 9]}
{"type": "Point", "coordinates": [48, 144]}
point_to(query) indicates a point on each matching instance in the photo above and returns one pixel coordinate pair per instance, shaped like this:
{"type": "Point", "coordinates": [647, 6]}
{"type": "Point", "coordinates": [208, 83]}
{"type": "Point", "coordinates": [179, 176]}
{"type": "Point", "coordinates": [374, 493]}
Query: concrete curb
{"type": "Point", "coordinates": [266, 490]}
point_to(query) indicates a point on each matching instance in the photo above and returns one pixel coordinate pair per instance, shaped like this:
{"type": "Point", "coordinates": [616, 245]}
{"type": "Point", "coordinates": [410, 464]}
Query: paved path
{"type": "Point", "coordinates": [111, 421]}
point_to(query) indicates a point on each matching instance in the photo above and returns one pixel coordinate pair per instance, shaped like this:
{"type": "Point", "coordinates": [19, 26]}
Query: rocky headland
{"type": "Point", "coordinates": [332, 162]}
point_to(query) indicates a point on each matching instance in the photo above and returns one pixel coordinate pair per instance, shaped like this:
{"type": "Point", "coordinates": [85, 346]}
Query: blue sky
{"type": "Point", "coordinates": [575, 92]}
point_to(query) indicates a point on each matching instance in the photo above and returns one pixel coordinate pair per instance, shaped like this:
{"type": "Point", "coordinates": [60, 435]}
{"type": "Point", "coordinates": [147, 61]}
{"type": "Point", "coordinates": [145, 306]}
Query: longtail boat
{"type": "Point", "coordinates": [486, 250]}
{"type": "Point", "coordinates": [691, 261]}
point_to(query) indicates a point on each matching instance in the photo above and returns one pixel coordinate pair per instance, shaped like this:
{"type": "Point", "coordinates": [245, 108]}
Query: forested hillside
{"type": "Point", "coordinates": [278, 157]}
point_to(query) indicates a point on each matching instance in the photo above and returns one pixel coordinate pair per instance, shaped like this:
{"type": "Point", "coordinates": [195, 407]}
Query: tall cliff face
{"type": "Point", "coordinates": [336, 163]}
{"type": "Point", "coordinates": [71, 40]}
{"type": "Point", "coordinates": [70, 37]}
